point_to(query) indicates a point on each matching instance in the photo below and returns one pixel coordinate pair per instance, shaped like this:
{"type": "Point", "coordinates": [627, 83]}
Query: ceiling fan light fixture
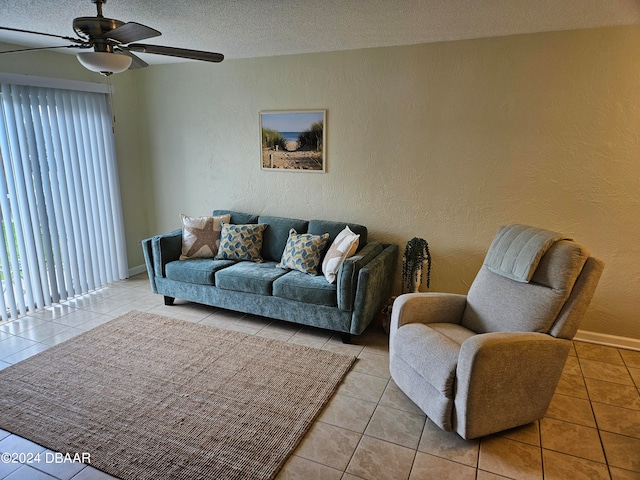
{"type": "Point", "coordinates": [104, 62]}
{"type": "Point", "coordinates": [109, 44]}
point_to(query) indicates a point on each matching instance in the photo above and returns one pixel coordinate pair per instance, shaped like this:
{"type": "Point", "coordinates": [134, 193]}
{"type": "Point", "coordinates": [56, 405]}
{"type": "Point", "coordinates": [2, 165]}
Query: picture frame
{"type": "Point", "coordinates": [293, 140]}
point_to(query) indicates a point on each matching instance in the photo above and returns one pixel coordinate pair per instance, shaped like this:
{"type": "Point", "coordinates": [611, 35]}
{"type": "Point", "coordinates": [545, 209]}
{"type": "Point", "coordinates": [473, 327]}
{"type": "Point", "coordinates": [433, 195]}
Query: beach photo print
{"type": "Point", "coordinates": [293, 140]}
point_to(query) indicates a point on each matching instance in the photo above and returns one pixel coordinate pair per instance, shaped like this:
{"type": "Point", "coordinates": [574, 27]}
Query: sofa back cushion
{"type": "Point", "coordinates": [237, 218]}
{"type": "Point", "coordinates": [276, 234]}
{"type": "Point", "coordinates": [320, 227]}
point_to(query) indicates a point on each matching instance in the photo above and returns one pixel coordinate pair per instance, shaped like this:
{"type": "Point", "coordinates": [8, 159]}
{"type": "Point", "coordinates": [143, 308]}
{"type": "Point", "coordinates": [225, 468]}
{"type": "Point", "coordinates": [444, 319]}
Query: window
{"type": "Point", "coordinates": [59, 197]}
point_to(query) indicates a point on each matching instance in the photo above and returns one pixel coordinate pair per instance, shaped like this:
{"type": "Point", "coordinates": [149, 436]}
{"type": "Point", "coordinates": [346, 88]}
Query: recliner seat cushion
{"type": "Point", "coordinates": [453, 331]}
{"type": "Point", "coordinates": [200, 271]}
{"type": "Point", "coordinates": [249, 277]}
{"type": "Point", "coordinates": [305, 288]}
{"type": "Point", "coordinates": [432, 351]}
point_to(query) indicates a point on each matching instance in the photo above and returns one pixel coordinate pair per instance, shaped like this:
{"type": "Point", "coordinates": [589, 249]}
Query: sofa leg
{"type": "Point", "coordinates": [168, 300]}
{"type": "Point", "coordinates": [346, 338]}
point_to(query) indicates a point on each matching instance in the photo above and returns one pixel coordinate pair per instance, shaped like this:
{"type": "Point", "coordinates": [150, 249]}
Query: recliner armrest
{"type": "Point", "coordinates": [428, 307]}
{"type": "Point", "coordinates": [496, 347]}
{"type": "Point", "coordinates": [505, 379]}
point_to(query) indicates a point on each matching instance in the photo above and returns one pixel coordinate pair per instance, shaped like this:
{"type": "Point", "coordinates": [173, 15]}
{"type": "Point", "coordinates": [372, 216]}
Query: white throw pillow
{"type": "Point", "coordinates": [343, 247]}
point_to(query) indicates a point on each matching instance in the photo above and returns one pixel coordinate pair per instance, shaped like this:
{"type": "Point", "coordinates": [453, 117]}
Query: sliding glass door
{"type": "Point", "coordinates": [59, 197]}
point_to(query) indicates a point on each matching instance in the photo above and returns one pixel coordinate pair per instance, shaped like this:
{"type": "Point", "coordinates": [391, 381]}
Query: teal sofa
{"type": "Point", "coordinates": [348, 306]}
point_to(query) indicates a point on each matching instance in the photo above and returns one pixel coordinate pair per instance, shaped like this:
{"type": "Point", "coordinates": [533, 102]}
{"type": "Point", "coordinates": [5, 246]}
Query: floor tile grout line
{"type": "Point", "coordinates": [574, 456]}
{"type": "Point", "coordinates": [595, 418]}
{"type": "Point", "coordinates": [637, 385]}
{"type": "Point", "coordinates": [541, 447]}
{"type": "Point", "coordinates": [415, 456]}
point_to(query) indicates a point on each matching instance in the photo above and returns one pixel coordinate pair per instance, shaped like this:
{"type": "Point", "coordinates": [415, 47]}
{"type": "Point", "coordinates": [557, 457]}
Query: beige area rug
{"type": "Point", "coordinates": [151, 397]}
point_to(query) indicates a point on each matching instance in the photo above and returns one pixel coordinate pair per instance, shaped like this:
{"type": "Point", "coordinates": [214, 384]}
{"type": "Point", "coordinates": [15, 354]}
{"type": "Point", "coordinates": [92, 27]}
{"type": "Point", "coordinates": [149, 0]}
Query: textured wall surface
{"type": "Point", "coordinates": [446, 141]}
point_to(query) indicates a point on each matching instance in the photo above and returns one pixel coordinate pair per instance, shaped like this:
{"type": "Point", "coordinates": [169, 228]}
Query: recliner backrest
{"type": "Point", "coordinates": [496, 303]}
{"type": "Point", "coordinates": [566, 325]}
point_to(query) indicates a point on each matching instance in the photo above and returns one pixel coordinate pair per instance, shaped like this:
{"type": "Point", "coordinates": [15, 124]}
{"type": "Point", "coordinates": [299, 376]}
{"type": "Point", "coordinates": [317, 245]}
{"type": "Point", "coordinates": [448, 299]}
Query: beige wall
{"type": "Point", "coordinates": [444, 141]}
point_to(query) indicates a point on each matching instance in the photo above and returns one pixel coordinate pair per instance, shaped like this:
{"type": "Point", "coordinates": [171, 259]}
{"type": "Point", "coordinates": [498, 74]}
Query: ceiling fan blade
{"type": "Point", "coordinates": [177, 52]}
{"type": "Point", "coordinates": [136, 62]}
{"type": "Point", "coordinates": [41, 48]}
{"type": "Point", "coordinates": [70, 39]}
{"type": "Point", "coordinates": [132, 32]}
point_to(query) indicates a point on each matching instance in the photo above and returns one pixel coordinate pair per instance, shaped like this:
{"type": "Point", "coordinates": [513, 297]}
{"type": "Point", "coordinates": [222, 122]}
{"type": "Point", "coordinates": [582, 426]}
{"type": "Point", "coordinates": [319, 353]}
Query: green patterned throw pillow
{"type": "Point", "coordinates": [302, 252]}
{"type": "Point", "coordinates": [241, 242]}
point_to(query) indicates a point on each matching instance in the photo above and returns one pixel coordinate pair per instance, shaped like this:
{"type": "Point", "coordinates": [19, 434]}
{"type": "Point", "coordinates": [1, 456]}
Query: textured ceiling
{"type": "Point", "coordinates": [257, 28]}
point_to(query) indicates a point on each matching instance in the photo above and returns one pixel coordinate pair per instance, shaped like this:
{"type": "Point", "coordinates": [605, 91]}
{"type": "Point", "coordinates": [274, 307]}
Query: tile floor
{"type": "Point", "coordinates": [370, 430]}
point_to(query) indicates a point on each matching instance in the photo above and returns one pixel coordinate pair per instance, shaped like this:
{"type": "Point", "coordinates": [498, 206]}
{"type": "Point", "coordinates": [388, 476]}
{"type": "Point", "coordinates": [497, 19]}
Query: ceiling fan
{"type": "Point", "coordinates": [109, 47]}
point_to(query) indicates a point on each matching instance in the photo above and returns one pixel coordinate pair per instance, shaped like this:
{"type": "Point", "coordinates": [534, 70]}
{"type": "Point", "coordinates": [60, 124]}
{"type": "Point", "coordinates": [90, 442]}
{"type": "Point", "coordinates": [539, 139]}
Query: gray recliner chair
{"type": "Point", "coordinates": [490, 360]}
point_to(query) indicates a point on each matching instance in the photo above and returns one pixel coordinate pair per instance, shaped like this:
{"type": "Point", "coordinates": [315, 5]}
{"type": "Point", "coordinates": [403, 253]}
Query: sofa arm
{"type": "Point", "coordinates": [147, 251]}
{"type": "Point", "coordinates": [165, 248]}
{"type": "Point", "coordinates": [431, 307]}
{"type": "Point", "coordinates": [347, 278]}
{"type": "Point", "coordinates": [375, 280]}
{"type": "Point", "coordinates": [505, 379]}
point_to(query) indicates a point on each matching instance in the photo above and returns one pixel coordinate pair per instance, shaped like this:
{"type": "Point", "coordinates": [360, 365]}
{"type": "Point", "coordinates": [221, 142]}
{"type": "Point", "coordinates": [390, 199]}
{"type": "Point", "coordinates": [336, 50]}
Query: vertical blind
{"type": "Point", "coordinates": [59, 197]}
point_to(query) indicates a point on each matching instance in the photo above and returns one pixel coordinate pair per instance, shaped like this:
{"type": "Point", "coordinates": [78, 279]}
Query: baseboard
{"type": "Point", "coordinates": [608, 340]}
{"type": "Point", "coordinates": [137, 270]}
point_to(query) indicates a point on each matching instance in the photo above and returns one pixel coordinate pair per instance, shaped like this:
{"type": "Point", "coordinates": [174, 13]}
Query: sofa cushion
{"type": "Point", "coordinates": [432, 351]}
{"type": "Point", "coordinates": [201, 236]}
{"type": "Point", "coordinates": [249, 277]}
{"type": "Point", "coordinates": [241, 242]}
{"type": "Point", "coordinates": [238, 218]}
{"type": "Point", "coordinates": [276, 236]}
{"type": "Point", "coordinates": [201, 270]}
{"type": "Point", "coordinates": [305, 288]}
{"type": "Point", "coordinates": [318, 227]}
{"type": "Point", "coordinates": [302, 252]}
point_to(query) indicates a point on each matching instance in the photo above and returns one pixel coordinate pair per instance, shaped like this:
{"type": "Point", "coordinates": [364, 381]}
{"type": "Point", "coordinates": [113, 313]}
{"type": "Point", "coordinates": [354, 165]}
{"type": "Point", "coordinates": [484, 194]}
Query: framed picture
{"type": "Point", "coordinates": [293, 140]}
